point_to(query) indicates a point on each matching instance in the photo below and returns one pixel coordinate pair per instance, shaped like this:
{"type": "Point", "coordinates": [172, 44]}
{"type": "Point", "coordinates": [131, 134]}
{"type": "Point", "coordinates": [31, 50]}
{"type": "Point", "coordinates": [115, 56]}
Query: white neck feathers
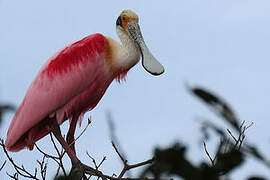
{"type": "Point", "coordinates": [126, 54]}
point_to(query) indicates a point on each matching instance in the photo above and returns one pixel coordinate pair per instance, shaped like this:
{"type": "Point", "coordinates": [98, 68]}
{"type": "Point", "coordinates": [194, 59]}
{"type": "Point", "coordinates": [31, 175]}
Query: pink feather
{"type": "Point", "coordinates": [70, 83]}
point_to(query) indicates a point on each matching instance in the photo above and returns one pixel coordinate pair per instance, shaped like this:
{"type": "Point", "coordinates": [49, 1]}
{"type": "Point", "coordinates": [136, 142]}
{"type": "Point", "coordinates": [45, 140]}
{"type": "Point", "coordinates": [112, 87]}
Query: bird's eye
{"type": "Point", "coordinates": [119, 21]}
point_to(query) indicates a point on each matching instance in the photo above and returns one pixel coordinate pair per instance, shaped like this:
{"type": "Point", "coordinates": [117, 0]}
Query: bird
{"type": "Point", "coordinates": [73, 81]}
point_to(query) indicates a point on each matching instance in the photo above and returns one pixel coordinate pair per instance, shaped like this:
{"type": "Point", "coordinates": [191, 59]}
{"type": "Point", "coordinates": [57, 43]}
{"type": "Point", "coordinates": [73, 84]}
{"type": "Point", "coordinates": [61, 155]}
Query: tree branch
{"type": "Point", "coordinates": [20, 170]}
{"type": "Point", "coordinates": [3, 165]}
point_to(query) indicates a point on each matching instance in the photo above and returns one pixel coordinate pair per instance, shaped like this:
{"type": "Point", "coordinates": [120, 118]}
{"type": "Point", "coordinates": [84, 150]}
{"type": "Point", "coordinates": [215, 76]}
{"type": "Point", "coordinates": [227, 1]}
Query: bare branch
{"type": "Point", "coordinates": [83, 131]}
{"type": "Point", "coordinates": [45, 154]}
{"type": "Point", "coordinates": [60, 156]}
{"type": "Point", "coordinates": [232, 135]}
{"type": "Point", "coordinates": [123, 160]}
{"type": "Point", "coordinates": [97, 166]}
{"type": "Point", "coordinates": [3, 165]}
{"type": "Point", "coordinates": [58, 159]}
{"type": "Point", "coordinates": [43, 167]}
{"type": "Point", "coordinates": [126, 165]}
{"type": "Point", "coordinates": [101, 162]}
{"type": "Point", "coordinates": [206, 151]}
{"type": "Point", "coordinates": [54, 145]}
{"type": "Point", "coordinates": [88, 170]}
{"type": "Point", "coordinates": [93, 160]}
{"type": "Point", "coordinates": [57, 172]}
{"type": "Point", "coordinates": [149, 161]}
{"type": "Point", "coordinates": [20, 170]}
{"type": "Point", "coordinates": [239, 140]}
{"type": "Point", "coordinates": [14, 176]}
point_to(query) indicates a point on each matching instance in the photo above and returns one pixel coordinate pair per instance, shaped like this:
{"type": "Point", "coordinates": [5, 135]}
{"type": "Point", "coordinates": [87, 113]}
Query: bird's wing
{"type": "Point", "coordinates": [65, 75]}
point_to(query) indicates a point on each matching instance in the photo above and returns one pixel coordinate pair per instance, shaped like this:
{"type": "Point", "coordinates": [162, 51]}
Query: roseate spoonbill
{"type": "Point", "coordinates": [73, 81]}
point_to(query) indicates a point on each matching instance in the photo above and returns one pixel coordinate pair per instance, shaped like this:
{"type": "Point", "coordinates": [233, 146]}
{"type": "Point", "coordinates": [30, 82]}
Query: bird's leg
{"type": "Point", "coordinates": [77, 172]}
{"type": "Point", "coordinates": [78, 168]}
{"type": "Point", "coordinates": [71, 131]}
{"type": "Point", "coordinates": [57, 133]}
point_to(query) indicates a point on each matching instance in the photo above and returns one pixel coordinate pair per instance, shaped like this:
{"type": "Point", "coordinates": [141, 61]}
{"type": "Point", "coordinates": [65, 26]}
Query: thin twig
{"type": "Point", "coordinates": [206, 151]}
{"type": "Point", "coordinates": [251, 124]}
{"type": "Point", "coordinates": [242, 124]}
{"type": "Point", "coordinates": [54, 145]}
{"type": "Point", "coordinates": [93, 160]}
{"type": "Point", "coordinates": [14, 176]}
{"type": "Point", "coordinates": [232, 135]}
{"type": "Point", "coordinates": [3, 165]}
{"type": "Point", "coordinates": [58, 159]}
{"type": "Point", "coordinates": [123, 160]}
{"type": "Point", "coordinates": [126, 165]}
{"type": "Point", "coordinates": [57, 172]}
{"type": "Point", "coordinates": [112, 177]}
{"type": "Point", "coordinates": [239, 140]}
{"type": "Point", "coordinates": [43, 167]}
{"type": "Point", "coordinates": [45, 154]}
{"type": "Point", "coordinates": [60, 155]}
{"type": "Point", "coordinates": [101, 162]}
{"type": "Point", "coordinates": [89, 170]}
{"type": "Point", "coordinates": [20, 170]}
{"type": "Point", "coordinates": [149, 161]}
{"type": "Point", "coordinates": [83, 131]}
{"type": "Point", "coordinates": [116, 178]}
{"type": "Point", "coordinates": [61, 162]}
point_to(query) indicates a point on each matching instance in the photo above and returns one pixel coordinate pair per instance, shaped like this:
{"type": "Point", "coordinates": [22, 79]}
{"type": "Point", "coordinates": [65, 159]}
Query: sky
{"type": "Point", "coordinates": [221, 45]}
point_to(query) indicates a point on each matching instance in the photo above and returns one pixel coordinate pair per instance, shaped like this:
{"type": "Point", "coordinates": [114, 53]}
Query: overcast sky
{"type": "Point", "coordinates": [221, 45]}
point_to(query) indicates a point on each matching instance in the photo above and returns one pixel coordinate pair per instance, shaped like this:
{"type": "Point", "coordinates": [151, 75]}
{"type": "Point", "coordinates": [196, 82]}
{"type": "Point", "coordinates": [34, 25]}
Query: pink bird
{"type": "Point", "coordinates": [74, 80]}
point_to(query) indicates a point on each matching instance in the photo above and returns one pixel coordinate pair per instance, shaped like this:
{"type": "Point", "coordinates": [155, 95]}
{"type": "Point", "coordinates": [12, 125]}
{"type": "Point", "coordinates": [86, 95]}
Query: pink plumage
{"type": "Point", "coordinates": [74, 80]}
{"type": "Point", "coordinates": [70, 83]}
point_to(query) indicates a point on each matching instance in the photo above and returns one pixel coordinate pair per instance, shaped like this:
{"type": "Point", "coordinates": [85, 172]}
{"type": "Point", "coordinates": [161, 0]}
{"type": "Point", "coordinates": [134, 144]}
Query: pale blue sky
{"type": "Point", "coordinates": [222, 45]}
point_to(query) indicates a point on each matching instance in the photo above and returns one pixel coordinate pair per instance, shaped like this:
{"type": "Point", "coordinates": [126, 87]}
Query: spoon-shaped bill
{"type": "Point", "coordinates": [149, 62]}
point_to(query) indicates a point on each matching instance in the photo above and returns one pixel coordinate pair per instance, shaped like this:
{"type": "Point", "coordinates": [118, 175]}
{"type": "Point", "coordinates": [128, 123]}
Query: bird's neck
{"type": "Point", "coordinates": [121, 57]}
{"type": "Point", "coordinates": [128, 54]}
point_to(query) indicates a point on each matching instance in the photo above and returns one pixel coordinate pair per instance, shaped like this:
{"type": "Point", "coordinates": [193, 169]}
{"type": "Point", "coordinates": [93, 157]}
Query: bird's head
{"type": "Point", "coordinates": [125, 17]}
{"type": "Point", "coordinates": [128, 22]}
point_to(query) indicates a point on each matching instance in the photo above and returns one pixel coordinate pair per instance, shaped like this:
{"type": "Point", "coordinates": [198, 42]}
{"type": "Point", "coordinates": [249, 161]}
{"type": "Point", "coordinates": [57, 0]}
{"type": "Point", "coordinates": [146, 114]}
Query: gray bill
{"type": "Point", "coordinates": [149, 62]}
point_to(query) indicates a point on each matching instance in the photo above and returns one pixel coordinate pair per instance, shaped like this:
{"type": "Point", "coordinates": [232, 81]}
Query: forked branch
{"type": "Point", "coordinates": [20, 170]}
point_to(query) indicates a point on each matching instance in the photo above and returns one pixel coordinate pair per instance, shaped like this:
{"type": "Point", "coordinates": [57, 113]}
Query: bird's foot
{"type": "Point", "coordinates": [79, 170]}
